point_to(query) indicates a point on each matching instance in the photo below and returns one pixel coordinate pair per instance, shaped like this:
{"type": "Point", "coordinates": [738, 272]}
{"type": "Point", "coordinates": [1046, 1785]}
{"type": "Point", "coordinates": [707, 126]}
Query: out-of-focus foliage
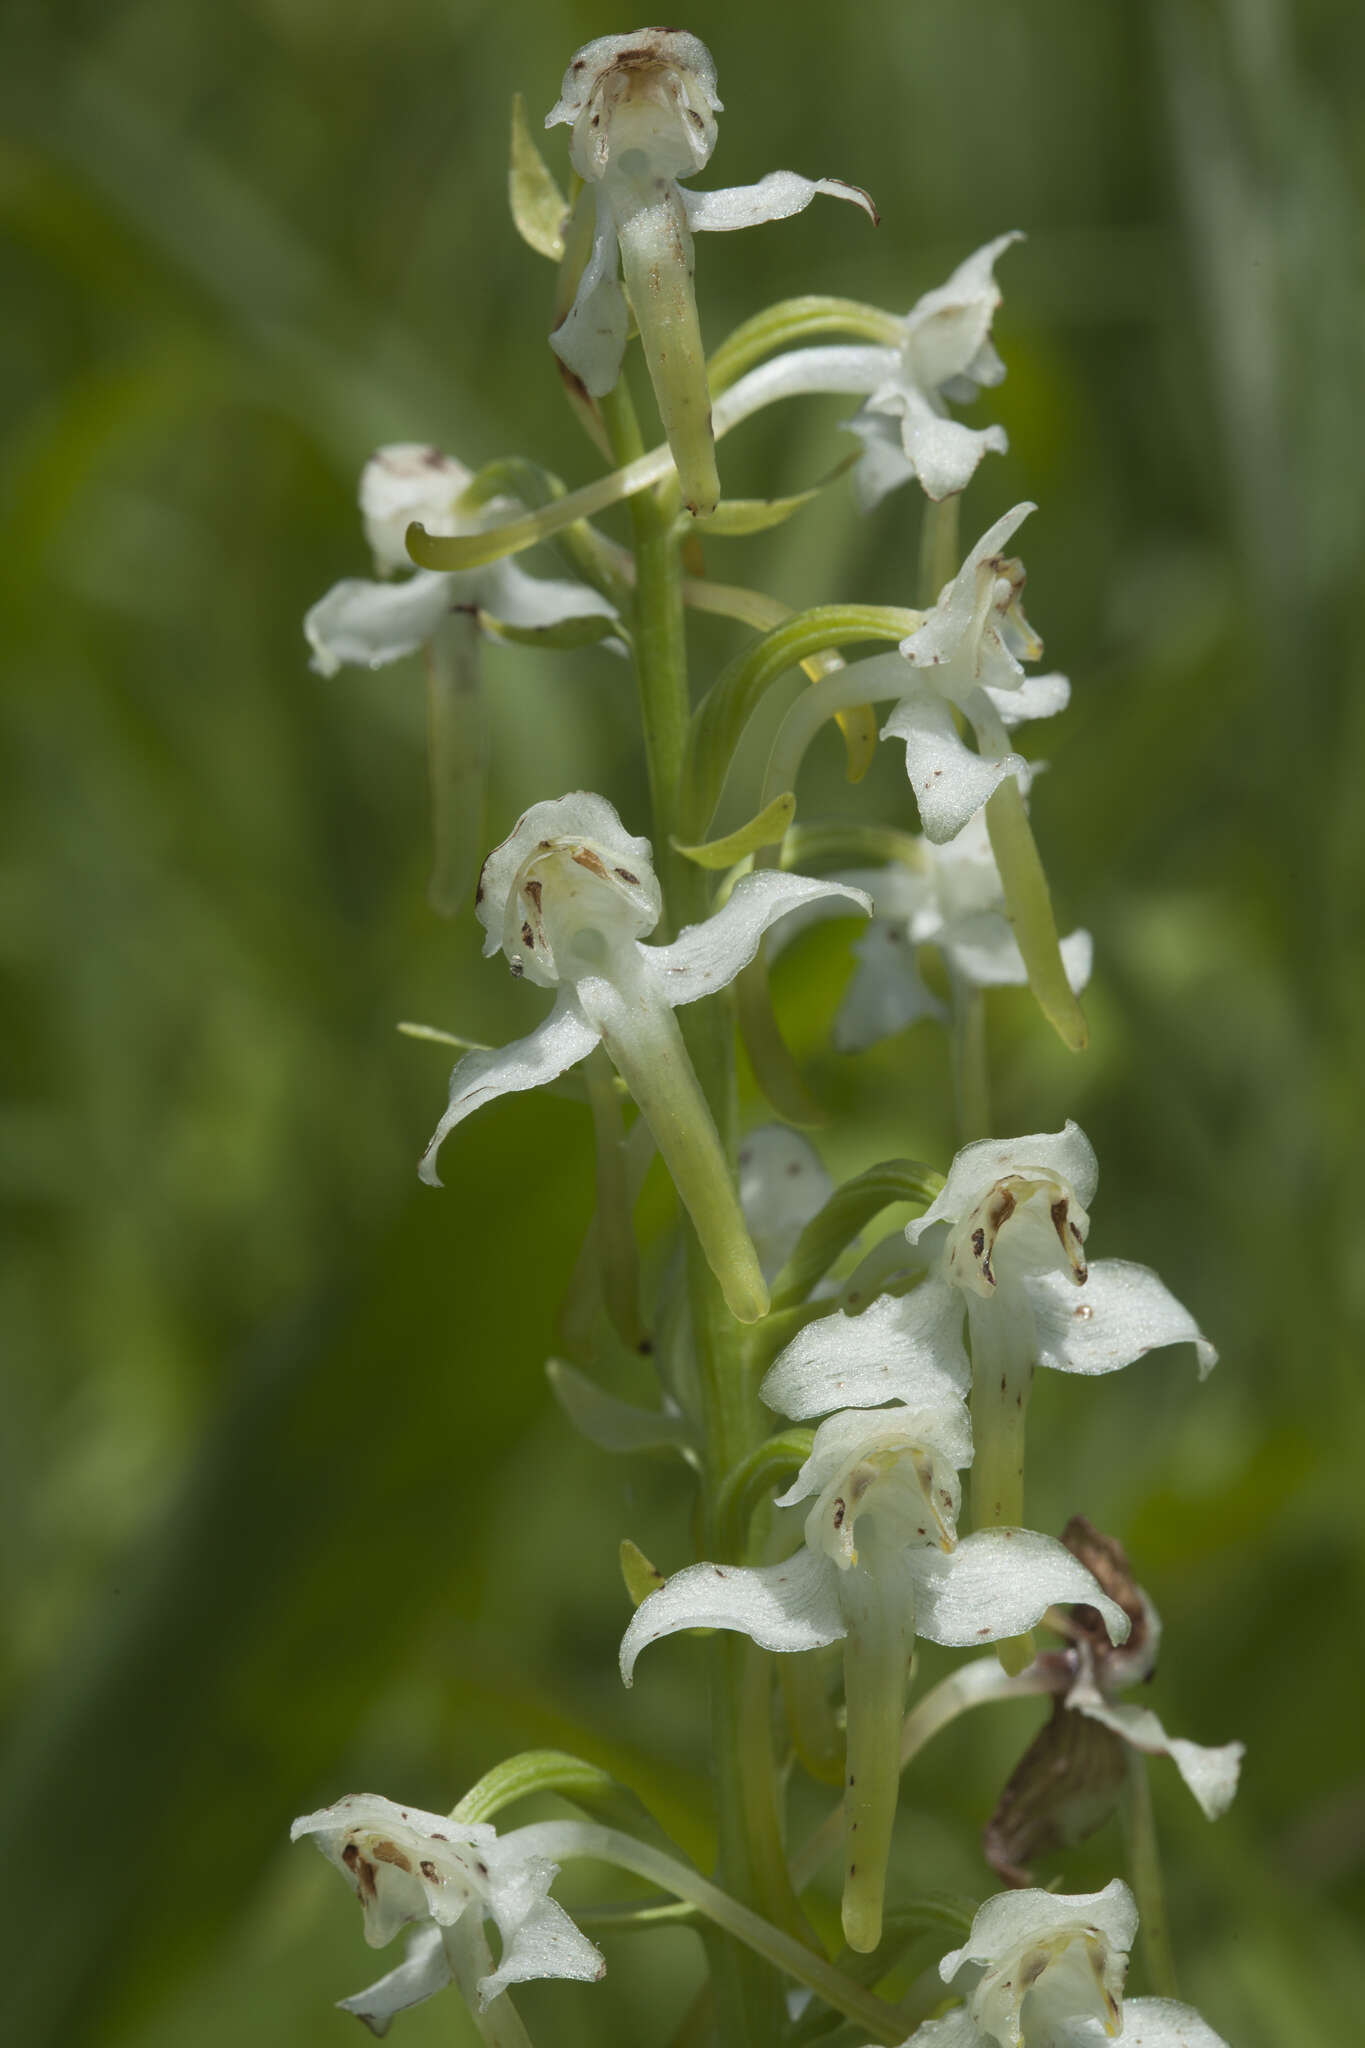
{"type": "Point", "coordinates": [288, 1511]}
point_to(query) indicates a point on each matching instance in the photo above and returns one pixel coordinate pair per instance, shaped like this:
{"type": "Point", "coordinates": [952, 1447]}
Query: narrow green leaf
{"type": "Point", "coordinates": [583, 631]}
{"type": "Point", "coordinates": [539, 208]}
{"type": "Point", "coordinates": [756, 1478]}
{"type": "Point", "coordinates": [775, 1069]}
{"type": "Point", "coordinates": [767, 829]}
{"type": "Point", "coordinates": [534, 1770]}
{"type": "Point", "coordinates": [641, 1577]}
{"type": "Point", "coordinates": [847, 1212]}
{"type": "Point", "coordinates": [616, 1425]}
{"type": "Point", "coordinates": [737, 516]}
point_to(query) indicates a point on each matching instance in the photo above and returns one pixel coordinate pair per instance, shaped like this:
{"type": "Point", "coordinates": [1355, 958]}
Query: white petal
{"type": "Point", "coordinates": [704, 957]}
{"type": "Point", "coordinates": [776, 197]}
{"type": "Point", "coordinates": [983, 950]}
{"type": "Point", "coordinates": [581, 816]}
{"type": "Point", "coordinates": [423, 1971]}
{"type": "Point", "coordinates": [521, 600]}
{"type": "Point", "coordinates": [1035, 697]}
{"type": "Point", "coordinates": [948, 329]}
{"type": "Point", "coordinates": [908, 1349]}
{"type": "Point", "coordinates": [938, 639]}
{"type": "Point", "coordinates": [845, 1439]}
{"type": "Point", "coordinates": [559, 1043]}
{"type": "Point", "coordinates": [366, 625]}
{"type": "Point", "coordinates": [956, 2029]}
{"type": "Point", "coordinates": [998, 1583]}
{"type": "Point", "coordinates": [789, 1606]}
{"type": "Point", "coordinates": [407, 481]}
{"type": "Point", "coordinates": [950, 781]}
{"type": "Point", "coordinates": [591, 338]}
{"type": "Point", "coordinates": [1011, 1920]}
{"type": "Point", "coordinates": [942, 453]}
{"type": "Point", "coordinates": [538, 1937]}
{"type": "Point", "coordinates": [782, 1185]}
{"type": "Point", "coordinates": [1122, 1312]}
{"type": "Point", "coordinates": [1210, 1773]}
{"type": "Point", "coordinates": [855, 368]}
{"type": "Point", "coordinates": [1164, 2023]}
{"type": "Point", "coordinates": [1067, 1153]}
{"type": "Point", "coordinates": [887, 993]}
{"type": "Point", "coordinates": [882, 467]}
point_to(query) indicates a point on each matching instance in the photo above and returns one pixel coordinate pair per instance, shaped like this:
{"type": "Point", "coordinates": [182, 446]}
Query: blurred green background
{"type": "Point", "coordinates": [286, 1510]}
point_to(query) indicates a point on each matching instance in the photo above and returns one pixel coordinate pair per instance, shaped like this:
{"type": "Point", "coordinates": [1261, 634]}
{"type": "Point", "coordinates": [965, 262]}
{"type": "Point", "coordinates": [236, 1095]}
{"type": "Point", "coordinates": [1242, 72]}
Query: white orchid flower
{"type": "Point", "coordinates": [1046, 1970]}
{"type": "Point", "coordinates": [568, 897]}
{"type": "Point", "coordinates": [643, 109]}
{"type": "Point", "coordinates": [1004, 1242]}
{"type": "Point", "coordinates": [449, 1876]}
{"type": "Point", "coordinates": [365, 624]}
{"type": "Point", "coordinates": [881, 1563]}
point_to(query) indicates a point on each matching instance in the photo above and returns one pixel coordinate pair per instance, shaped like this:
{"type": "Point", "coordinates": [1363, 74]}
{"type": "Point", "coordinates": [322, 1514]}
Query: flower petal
{"type": "Point", "coordinates": [776, 197]}
{"type": "Point", "coordinates": [956, 2029]}
{"type": "Point", "coordinates": [1035, 697]}
{"type": "Point", "coordinates": [1210, 1773]}
{"type": "Point", "coordinates": [941, 452]}
{"type": "Point", "coordinates": [1121, 1313]}
{"type": "Point", "coordinates": [560, 1042]}
{"type": "Point", "coordinates": [405, 481]}
{"type": "Point", "coordinates": [1012, 1920]}
{"type": "Point", "coordinates": [591, 338]}
{"type": "Point", "coordinates": [948, 329]}
{"type": "Point", "coordinates": [844, 1440]}
{"type": "Point", "coordinates": [1067, 1153]}
{"type": "Point", "coordinates": [998, 1583]}
{"type": "Point", "coordinates": [782, 1185]}
{"type": "Point", "coordinates": [359, 624]}
{"type": "Point", "coordinates": [538, 1937]}
{"type": "Point", "coordinates": [887, 993]}
{"type": "Point", "coordinates": [1165, 2023]}
{"type": "Point", "coordinates": [423, 1971]}
{"type": "Point", "coordinates": [704, 957]}
{"type": "Point", "coordinates": [788, 1606]}
{"type": "Point", "coordinates": [950, 781]}
{"type": "Point", "coordinates": [908, 1349]}
{"type": "Point", "coordinates": [516, 599]}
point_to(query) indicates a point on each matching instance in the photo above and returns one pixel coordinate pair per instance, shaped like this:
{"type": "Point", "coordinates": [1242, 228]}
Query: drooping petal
{"type": "Point", "coordinates": [517, 599]}
{"type": "Point", "coordinates": [704, 957]}
{"type": "Point", "coordinates": [1067, 1154]}
{"type": "Point", "coordinates": [1122, 1312]}
{"type": "Point", "coordinates": [1013, 1919]}
{"type": "Point", "coordinates": [1035, 697]}
{"type": "Point", "coordinates": [951, 782]}
{"type": "Point", "coordinates": [782, 1185]}
{"type": "Point", "coordinates": [776, 197]}
{"type": "Point", "coordinates": [359, 624]}
{"type": "Point", "coordinates": [538, 1937]}
{"type": "Point", "coordinates": [560, 1042]}
{"type": "Point", "coordinates": [1164, 2023]}
{"type": "Point", "coordinates": [591, 338]}
{"type": "Point", "coordinates": [788, 1606]}
{"type": "Point", "coordinates": [998, 1583]}
{"type": "Point", "coordinates": [423, 1971]}
{"type": "Point", "coordinates": [1210, 1773]}
{"type": "Point", "coordinates": [908, 1349]}
{"type": "Point", "coordinates": [941, 452]}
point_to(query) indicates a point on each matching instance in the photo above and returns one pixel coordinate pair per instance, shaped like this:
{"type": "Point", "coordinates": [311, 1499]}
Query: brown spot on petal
{"type": "Point", "coordinates": [361, 1869]}
{"type": "Point", "coordinates": [840, 1510]}
{"type": "Point", "coordinates": [626, 876]}
{"type": "Point", "coordinates": [430, 1872]}
{"type": "Point", "coordinates": [528, 937]}
{"type": "Point", "coordinates": [584, 857]}
{"type": "Point", "coordinates": [534, 890]}
{"type": "Point", "coordinates": [389, 1852]}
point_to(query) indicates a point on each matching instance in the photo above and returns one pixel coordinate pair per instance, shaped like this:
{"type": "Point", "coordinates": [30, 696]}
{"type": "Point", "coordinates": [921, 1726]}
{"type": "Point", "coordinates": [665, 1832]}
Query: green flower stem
{"type": "Point", "coordinates": [457, 756]}
{"type": "Point", "coordinates": [971, 1070]}
{"type": "Point", "coordinates": [877, 1651]}
{"type": "Point", "coordinates": [1002, 1380]}
{"type": "Point", "coordinates": [563, 1840]}
{"type": "Point", "coordinates": [656, 263]}
{"type": "Point", "coordinates": [466, 1946]}
{"type": "Point", "coordinates": [938, 547]}
{"type": "Point", "coordinates": [615, 1225]}
{"type": "Point", "coordinates": [796, 320]}
{"type": "Point", "coordinates": [748, 2003]}
{"type": "Point", "coordinates": [1144, 1871]}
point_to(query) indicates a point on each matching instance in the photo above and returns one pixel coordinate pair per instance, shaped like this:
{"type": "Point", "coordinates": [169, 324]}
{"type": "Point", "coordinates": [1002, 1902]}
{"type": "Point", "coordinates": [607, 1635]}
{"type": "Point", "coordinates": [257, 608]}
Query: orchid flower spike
{"type": "Point", "coordinates": [1004, 1243]}
{"type": "Point", "coordinates": [568, 897]}
{"type": "Point", "coordinates": [1046, 1970]}
{"type": "Point", "coordinates": [364, 624]}
{"type": "Point", "coordinates": [449, 1877]}
{"type": "Point", "coordinates": [880, 1564]}
{"type": "Point", "coordinates": [643, 109]}
{"type": "Point", "coordinates": [1071, 1776]}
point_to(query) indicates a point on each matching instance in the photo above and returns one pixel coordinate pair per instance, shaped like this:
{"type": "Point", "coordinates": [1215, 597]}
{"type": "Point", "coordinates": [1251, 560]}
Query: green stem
{"type": "Point", "coordinates": [1003, 1348]}
{"type": "Point", "coordinates": [615, 1226]}
{"type": "Point", "coordinates": [561, 1840]}
{"type": "Point", "coordinates": [1144, 1868]}
{"type": "Point", "coordinates": [971, 1072]}
{"type": "Point", "coordinates": [938, 548]}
